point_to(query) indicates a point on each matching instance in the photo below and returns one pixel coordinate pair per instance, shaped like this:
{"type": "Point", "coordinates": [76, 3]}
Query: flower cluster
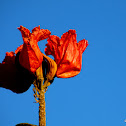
{"type": "Point", "coordinates": [66, 51]}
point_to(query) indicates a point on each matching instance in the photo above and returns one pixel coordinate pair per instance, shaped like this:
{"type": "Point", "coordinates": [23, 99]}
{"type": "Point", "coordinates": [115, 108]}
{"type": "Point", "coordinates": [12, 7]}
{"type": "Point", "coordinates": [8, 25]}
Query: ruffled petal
{"type": "Point", "coordinates": [24, 31]}
{"type": "Point", "coordinates": [40, 34]}
{"type": "Point", "coordinates": [19, 49]}
{"type": "Point", "coordinates": [82, 45]}
{"type": "Point", "coordinates": [53, 46]}
{"type": "Point", "coordinates": [9, 58]}
{"type": "Point", "coordinates": [69, 36]}
{"type": "Point", "coordinates": [43, 34]}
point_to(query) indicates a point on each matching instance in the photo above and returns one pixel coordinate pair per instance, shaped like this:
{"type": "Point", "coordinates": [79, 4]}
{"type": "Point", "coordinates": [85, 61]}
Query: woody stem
{"type": "Point", "coordinates": [42, 113]}
{"type": "Point", "coordinates": [41, 96]}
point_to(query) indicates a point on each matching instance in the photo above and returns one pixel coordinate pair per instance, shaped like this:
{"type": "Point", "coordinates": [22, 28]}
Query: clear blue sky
{"type": "Point", "coordinates": [97, 96]}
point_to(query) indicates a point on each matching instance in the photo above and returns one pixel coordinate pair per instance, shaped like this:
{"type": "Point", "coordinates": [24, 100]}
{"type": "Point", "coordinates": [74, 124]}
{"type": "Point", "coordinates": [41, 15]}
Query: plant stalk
{"type": "Point", "coordinates": [40, 94]}
{"type": "Point", "coordinates": [42, 113]}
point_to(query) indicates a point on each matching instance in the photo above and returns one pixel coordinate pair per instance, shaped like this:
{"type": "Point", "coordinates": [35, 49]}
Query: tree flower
{"type": "Point", "coordinates": [67, 53]}
{"type": "Point", "coordinates": [30, 55]}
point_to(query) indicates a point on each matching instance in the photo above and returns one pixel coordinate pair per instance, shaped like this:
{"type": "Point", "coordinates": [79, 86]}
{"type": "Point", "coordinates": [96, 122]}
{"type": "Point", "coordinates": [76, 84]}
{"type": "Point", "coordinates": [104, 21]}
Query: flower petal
{"type": "Point", "coordinates": [82, 45]}
{"type": "Point", "coordinates": [9, 58]}
{"type": "Point", "coordinates": [53, 47]}
{"type": "Point", "coordinates": [19, 49]}
{"type": "Point", "coordinates": [24, 31]}
{"type": "Point", "coordinates": [40, 34]}
{"type": "Point", "coordinates": [30, 57]}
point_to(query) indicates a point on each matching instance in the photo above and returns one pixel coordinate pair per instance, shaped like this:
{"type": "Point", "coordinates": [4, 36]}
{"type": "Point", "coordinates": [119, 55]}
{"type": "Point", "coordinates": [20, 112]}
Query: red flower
{"type": "Point", "coordinates": [30, 55]}
{"type": "Point", "coordinates": [67, 53]}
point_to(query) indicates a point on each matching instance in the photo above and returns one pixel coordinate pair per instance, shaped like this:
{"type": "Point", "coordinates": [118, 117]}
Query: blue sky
{"type": "Point", "coordinates": [95, 97]}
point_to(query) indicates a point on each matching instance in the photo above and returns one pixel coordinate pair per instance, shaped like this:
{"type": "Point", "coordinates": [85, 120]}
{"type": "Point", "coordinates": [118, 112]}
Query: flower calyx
{"type": "Point", "coordinates": [49, 70]}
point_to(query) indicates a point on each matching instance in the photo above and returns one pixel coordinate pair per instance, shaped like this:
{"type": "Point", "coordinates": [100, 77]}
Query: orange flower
{"type": "Point", "coordinates": [67, 53]}
{"type": "Point", "coordinates": [30, 55]}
